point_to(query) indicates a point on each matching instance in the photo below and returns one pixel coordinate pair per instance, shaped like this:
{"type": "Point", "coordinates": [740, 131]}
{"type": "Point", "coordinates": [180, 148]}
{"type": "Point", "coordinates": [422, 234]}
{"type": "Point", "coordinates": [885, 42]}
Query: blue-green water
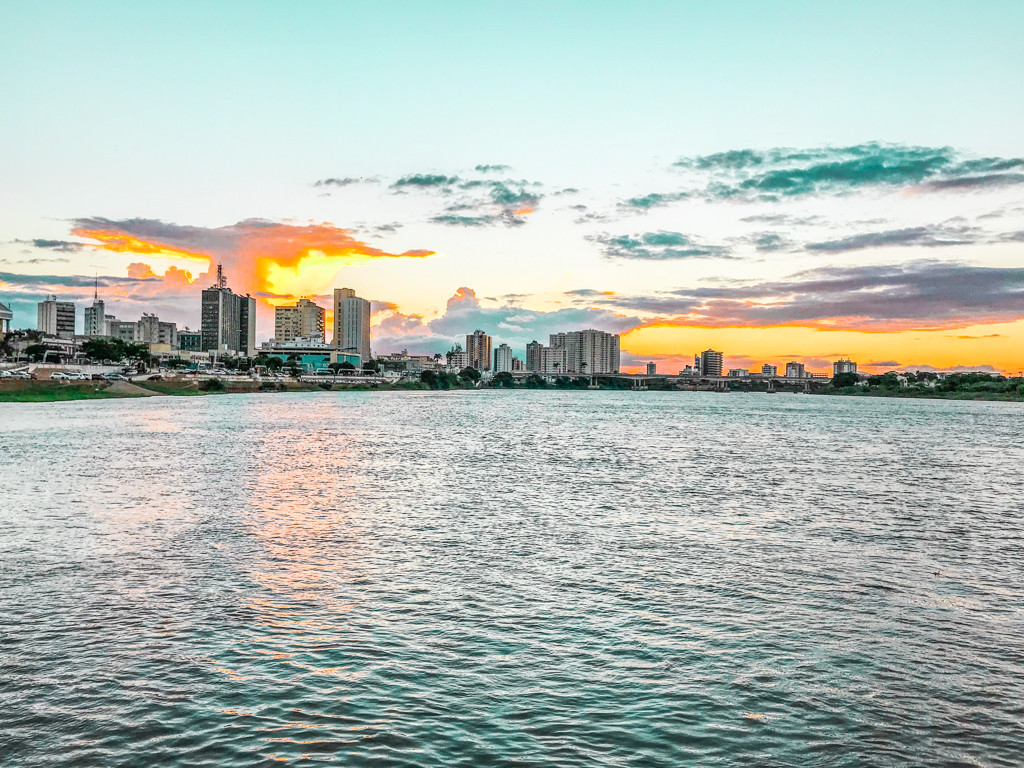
{"type": "Point", "coordinates": [512, 579]}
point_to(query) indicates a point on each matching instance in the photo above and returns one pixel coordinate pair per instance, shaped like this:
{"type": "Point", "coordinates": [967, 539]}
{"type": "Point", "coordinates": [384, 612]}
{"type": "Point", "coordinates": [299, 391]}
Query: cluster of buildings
{"type": "Point", "coordinates": [709, 364]}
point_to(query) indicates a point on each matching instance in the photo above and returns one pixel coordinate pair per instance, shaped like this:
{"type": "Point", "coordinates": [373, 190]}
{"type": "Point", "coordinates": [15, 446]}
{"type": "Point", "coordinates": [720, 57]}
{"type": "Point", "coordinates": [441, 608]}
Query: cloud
{"type": "Point", "coordinates": [922, 295]}
{"type": "Point", "coordinates": [657, 246]}
{"type": "Point", "coordinates": [508, 324]}
{"type": "Point", "coordinates": [347, 181]}
{"type": "Point", "coordinates": [934, 236]}
{"type": "Point", "coordinates": [464, 221]}
{"type": "Point", "coordinates": [257, 254]}
{"type": "Point", "coordinates": [425, 181]}
{"type": "Point", "coordinates": [477, 202]}
{"type": "Point", "coordinates": [263, 258]}
{"type": "Point", "coordinates": [492, 168]}
{"type": "Point", "coordinates": [770, 242]}
{"type": "Point", "coordinates": [645, 203]}
{"type": "Point", "coordinates": [779, 173]}
{"type": "Point", "coordinates": [65, 246]}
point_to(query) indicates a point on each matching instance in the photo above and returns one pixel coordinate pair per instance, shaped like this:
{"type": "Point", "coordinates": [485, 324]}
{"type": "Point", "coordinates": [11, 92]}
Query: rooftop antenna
{"type": "Point", "coordinates": [221, 281]}
{"type": "Point", "coordinates": [96, 289]}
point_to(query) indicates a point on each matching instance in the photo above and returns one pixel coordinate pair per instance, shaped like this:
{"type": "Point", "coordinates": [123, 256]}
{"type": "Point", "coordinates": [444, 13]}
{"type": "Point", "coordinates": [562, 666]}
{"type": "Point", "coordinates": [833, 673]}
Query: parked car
{"type": "Point", "coordinates": [115, 377]}
{"type": "Point", "coordinates": [60, 376]}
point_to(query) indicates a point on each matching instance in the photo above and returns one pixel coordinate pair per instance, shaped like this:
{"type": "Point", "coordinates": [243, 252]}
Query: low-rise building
{"type": "Point", "coordinates": [843, 366]}
{"type": "Point", "coordinates": [769, 370]}
{"type": "Point", "coordinates": [738, 373]}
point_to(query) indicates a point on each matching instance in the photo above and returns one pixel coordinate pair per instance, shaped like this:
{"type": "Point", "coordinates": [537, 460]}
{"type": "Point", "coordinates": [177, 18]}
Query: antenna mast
{"type": "Point", "coordinates": [221, 281]}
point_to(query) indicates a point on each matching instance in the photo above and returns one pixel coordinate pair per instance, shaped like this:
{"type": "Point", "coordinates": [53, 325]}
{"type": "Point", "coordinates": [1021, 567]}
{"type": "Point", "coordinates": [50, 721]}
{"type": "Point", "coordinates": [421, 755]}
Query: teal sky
{"type": "Point", "coordinates": [209, 114]}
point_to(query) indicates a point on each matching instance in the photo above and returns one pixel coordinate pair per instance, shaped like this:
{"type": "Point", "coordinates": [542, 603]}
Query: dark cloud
{"type": "Point", "coordinates": [927, 294]}
{"type": "Point", "coordinates": [653, 200]}
{"type": "Point", "coordinates": [451, 220]}
{"type": "Point", "coordinates": [347, 181]}
{"type": "Point", "coordinates": [770, 242]}
{"type": "Point", "coordinates": [936, 236]}
{"type": "Point", "coordinates": [64, 246]}
{"type": "Point", "coordinates": [57, 260]}
{"type": "Point", "coordinates": [657, 246]}
{"type": "Point", "coordinates": [784, 219]}
{"type": "Point", "coordinates": [426, 180]}
{"type": "Point", "coordinates": [775, 174]}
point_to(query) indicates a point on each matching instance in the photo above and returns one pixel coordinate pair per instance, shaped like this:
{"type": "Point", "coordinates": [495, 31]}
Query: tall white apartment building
{"type": "Point", "coordinates": [589, 351]}
{"type": "Point", "coordinates": [56, 318]}
{"type": "Point", "coordinates": [503, 359]}
{"type": "Point", "coordinates": [351, 323]}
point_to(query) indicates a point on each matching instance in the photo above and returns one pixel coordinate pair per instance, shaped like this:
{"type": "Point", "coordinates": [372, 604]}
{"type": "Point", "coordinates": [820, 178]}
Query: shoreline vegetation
{"type": "Point", "coordinates": [967, 386]}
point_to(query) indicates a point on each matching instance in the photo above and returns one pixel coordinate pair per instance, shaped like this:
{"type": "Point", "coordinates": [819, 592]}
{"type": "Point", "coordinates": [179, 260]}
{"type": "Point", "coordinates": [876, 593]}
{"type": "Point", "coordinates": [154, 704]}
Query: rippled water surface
{"type": "Point", "coordinates": [512, 579]}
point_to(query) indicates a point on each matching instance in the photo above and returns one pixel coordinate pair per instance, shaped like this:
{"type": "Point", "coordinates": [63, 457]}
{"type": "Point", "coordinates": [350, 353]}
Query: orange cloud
{"type": "Point", "coordinates": [259, 256]}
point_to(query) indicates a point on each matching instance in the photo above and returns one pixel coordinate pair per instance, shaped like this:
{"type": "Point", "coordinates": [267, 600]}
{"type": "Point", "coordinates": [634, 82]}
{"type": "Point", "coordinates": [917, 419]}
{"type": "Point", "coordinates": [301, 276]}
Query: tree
{"type": "Point", "coordinates": [533, 381]}
{"type": "Point", "coordinates": [274, 363]}
{"type": "Point", "coordinates": [841, 380]}
{"type": "Point", "coordinates": [35, 352]}
{"type": "Point", "coordinates": [347, 367]}
{"type": "Point", "coordinates": [372, 365]}
{"type": "Point", "coordinates": [429, 378]}
{"type": "Point", "coordinates": [470, 374]}
{"type": "Point", "coordinates": [503, 379]}
{"type": "Point", "coordinates": [100, 350]}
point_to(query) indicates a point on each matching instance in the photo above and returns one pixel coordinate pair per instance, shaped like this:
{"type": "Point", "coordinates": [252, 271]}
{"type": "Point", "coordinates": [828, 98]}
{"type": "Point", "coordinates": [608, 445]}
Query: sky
{"type": "Point", "coordinates": [779, 181]}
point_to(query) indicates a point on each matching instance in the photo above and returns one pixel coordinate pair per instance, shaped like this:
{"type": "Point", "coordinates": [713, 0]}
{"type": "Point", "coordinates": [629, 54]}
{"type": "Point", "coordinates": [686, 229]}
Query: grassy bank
{"type": "Point", "coordinates": [52, 391]}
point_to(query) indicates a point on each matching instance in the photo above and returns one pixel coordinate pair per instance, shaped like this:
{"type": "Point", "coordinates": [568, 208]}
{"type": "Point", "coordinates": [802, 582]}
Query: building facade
{"type": "Point", "coordinates": [351, 323]}
{"type": "Point", "coordinates": [843, 366]}
{"type": "Point", "coordinates": [96, 319]}
{"type": "Point", "coordinates": [708, 363]}
{"type": "Point", "coordinates": [588, 352]}
{"type": "Point", "coordinates": [652, 369]}
{"type": "Point", "coordinates": [769, 370]}
{"type": "Point", "coordinates": [5, 319]}
{"type": "Point", "coordinates": [304, 319]}
{"type": "Point", "coordinates": [228, 320]}
{"type": "Point", "coordinates": [478, 347]}
{"type": "Point", "coordinates": [795, 371]}
{"type": "Point", "coordinates": [503, 359]}
{"type": "Point", "coordinates": [56, 318]}
{"type": "Point", "coordinates": [457, 358]}
{"type": "Point", "coordinates": [190, 341]}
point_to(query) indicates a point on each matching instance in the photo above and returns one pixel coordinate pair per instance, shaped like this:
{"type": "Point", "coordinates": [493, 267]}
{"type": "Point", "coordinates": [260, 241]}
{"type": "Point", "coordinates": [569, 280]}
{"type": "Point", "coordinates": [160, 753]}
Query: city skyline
{"type": "Point", "coordinates": [819, 206]}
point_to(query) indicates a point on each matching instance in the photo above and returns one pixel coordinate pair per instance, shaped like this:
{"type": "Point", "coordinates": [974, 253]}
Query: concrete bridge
{"type": "Point", "coordinates": [714, 383]}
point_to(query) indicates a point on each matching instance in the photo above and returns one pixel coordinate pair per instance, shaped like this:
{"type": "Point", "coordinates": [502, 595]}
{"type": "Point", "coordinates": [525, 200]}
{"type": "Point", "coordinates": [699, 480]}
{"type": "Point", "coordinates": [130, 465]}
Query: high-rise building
{"type": "Point", "coordinates": [708, 362]}
{"type": "Point", "coordinates": [843, 366]}
{"type": "Point", "coordinates": [795, 371]}
{"type": "Point", "coordinates": [303, 319]}
{"type": "Point", "coordinates": [351, 323]}
{"type": "Point", "coordinates": [533, 350]}
{"type": "Point", "coordinates": [503, 359]}
{"type": "Point", "coordinates": [56, 318]}
{"type": "Point", "coordinates": [589, 351]}
{"type": "Point", "coordinates": [517, 365]}
{"type": "Point", "coordinates": [652, 369]}
{"type": "Point", "coordinates": [5, 319]}
{"type": "Point", "coordinates": [478, 347]}
{"type": "Point", "coordinates": [769, 370]}
{"type": "Point", "coordinates": [228, 320]}
{"type": "Point", "coordinates": [149, 330]}
{"type": "Point", "coordinates": [96, 315]}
